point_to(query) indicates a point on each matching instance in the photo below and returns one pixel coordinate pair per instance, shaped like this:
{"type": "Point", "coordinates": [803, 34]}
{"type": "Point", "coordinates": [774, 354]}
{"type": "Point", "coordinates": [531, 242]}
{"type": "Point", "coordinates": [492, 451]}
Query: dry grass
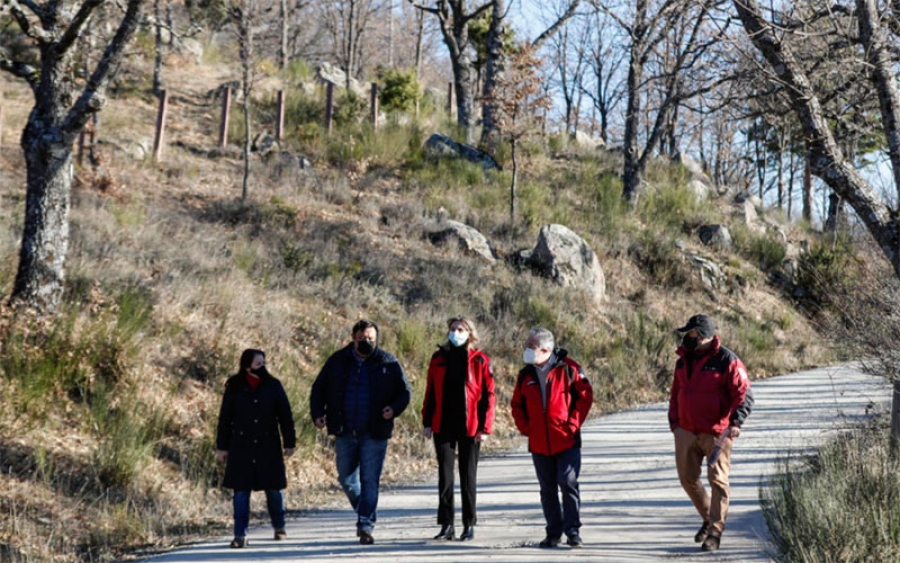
{"type": "Point", "coordinates": [289, 271]}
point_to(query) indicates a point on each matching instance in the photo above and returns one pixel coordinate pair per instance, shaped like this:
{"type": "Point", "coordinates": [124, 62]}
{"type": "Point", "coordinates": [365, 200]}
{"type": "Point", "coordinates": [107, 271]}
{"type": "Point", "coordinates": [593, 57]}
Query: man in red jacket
{"type": "Point", "coordinates": [709, 403]}
{"type": "Point", "coordinates": [549, 404]}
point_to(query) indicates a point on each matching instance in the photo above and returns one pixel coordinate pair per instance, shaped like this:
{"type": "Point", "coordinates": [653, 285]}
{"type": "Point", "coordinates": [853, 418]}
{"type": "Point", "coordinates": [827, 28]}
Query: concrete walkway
{"type": "Point", "coordinates": [633, 508]}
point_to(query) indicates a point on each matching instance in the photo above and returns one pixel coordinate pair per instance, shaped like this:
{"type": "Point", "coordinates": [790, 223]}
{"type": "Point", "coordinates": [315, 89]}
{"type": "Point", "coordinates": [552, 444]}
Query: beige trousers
{"type": "Point", "coordinates": [690, 451]}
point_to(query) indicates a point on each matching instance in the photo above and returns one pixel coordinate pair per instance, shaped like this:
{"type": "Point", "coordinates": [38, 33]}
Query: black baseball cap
{"type": "Point", "coordinates": [702, 323]}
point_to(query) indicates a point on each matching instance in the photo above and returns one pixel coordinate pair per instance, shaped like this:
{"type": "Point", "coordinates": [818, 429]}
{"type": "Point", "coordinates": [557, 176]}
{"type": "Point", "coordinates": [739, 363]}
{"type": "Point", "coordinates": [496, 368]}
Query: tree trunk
{"type": "Point", "coordinates": [57, 118]}
{"type": "Point", "coordinates": [493, 68]}
{"type": "Point", "coordinates": [157, 60]}
{"type": "Point", "coordinates": [806, 211]}
{"type": "Point", "coordinates": [631, 177]}
{"type": "Point", "coordinates": [283, 48]}
{"type": "Point", "coordinates": [512, 190]}
{"type": "Point", "coordinates": [45, 238]}
{"type": "Point", "coordinates": [895, 420]}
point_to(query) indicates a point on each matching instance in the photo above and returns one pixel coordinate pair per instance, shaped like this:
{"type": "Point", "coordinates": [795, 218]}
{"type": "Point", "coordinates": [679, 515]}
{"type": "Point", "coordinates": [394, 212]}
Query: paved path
{"type": "Point", "coordinates": [633, 507]}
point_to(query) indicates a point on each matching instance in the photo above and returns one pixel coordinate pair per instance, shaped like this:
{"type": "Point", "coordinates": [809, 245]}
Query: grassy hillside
{"type": "Point", "coordinates": [108, 413]}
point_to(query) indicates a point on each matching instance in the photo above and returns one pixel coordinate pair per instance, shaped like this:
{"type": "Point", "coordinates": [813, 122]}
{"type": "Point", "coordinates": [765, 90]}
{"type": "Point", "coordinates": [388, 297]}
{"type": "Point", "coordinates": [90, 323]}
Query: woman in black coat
{"type": "Point", "coordinates": [254, 435]}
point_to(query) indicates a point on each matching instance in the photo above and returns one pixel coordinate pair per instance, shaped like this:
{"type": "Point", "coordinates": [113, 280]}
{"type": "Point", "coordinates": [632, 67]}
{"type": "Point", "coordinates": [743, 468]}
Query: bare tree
{"type": "Point", "coordinates": [518, 99]}
{"type": "Point", "coordinates": [63, 105]}
{"type": "Point", "coordinates": [243, 15]}
{"type": "Point", "coordinates": [670, 61]}
{"type": "Point", "coordinates": [604, 87]}
{"type": "Point", "coordinates": [874, 41]}
{"type": "Point", "coordinates": [495, 65]}
{"type": "Point", "coordinates": [347, 22]}
{"type": "Point", "coordinates": [454, 20]}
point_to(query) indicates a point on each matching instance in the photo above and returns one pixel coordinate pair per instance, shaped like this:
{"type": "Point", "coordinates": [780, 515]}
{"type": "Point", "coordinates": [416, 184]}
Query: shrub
{"type": "Point", "coordinates": [813, 506]}
{"type": "Point", "coordinates": [401, 90]}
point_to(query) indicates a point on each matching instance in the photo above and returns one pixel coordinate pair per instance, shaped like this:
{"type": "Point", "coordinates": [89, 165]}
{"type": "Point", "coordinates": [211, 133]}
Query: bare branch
{"type": "Point", "coordinates": [22, 70]}
{"type": "Point", "coordinates": [21, 18]}
{"type": "Point", "coordinates": [91, 99]}
{"type": "Point", "coordinates": [424, 8]}
{"type": "Point", "coordinates": [74, 29]}
{"type": "Point", "coordinates": [553, 29]}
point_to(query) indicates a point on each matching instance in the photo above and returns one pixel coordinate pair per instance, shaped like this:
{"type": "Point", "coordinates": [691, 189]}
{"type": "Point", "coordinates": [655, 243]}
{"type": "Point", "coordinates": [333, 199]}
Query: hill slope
{"type": "Point", "coordinates": [108, 413]}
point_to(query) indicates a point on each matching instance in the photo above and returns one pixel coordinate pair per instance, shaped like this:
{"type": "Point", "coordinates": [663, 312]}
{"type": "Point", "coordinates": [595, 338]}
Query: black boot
{"type": "Point", "coordinates": [446, 532]}
{"type": "Point", "coordinates": [468, 533]}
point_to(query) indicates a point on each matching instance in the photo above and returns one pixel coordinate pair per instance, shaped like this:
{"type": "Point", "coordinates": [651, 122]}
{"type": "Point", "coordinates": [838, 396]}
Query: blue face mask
{"type": "Point", "coordinates": [458, 338]}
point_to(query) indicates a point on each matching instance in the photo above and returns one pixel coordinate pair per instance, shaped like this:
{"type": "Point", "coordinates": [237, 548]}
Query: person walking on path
{"type": "Point", "coordinates": [458, 413]}
{"type": "Point", "coordinates": [255, 432]}
{"type": "Point", "coordinates": [550, 403]}
{"type": "Point", "coordinates": [357, 395]}
{"type": "Point", "coordinates": [709, 402]}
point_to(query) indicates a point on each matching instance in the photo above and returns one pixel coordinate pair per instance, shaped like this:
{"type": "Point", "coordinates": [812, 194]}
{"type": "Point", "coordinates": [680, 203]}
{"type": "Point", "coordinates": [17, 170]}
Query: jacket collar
{"type": "Point", "coordinates": [685, 353]}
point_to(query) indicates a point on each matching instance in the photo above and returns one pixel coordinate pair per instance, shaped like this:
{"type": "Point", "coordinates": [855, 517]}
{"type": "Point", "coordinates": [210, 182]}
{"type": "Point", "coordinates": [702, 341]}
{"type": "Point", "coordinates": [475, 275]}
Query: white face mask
{"type": "Point", "coordinates": [458, 338]}
{"type": "Point", "coordinates": [529, 356]}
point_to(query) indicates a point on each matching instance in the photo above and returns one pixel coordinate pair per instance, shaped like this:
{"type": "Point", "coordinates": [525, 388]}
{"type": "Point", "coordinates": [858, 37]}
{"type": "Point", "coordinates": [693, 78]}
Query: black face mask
{"type": "Point", "coordinates": [365, 347]}
{"type": "Point", "coordinates": [260, 372]}
{"type": "Point", "coordinates": [690, 342]}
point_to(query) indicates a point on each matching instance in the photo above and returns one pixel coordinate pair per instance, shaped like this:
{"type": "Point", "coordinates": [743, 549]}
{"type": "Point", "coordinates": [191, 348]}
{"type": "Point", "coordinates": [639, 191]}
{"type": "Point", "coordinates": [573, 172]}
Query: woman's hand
{"type": "Point", "coordinates": [427, 433]}
{"type": "Point", "coordinates": [288, 452]}
{"type": "Point", "coordinates": [221, 456]}
{"type": "Point", "coordinates": [480, 437]}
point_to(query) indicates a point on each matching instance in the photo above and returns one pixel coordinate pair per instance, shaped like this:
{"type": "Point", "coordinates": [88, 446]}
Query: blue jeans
{"type": "Point", "coordinates": [359, 462]}
{"type": "Point", "coordinates": [274, 503]}
{"type": "Point", "coordinates": [559, 473]}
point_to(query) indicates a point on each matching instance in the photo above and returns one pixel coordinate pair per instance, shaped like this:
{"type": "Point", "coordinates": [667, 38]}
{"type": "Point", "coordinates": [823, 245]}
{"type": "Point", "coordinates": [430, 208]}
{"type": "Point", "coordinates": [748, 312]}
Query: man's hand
{"type": "Point", "coordinates": [427, 433]}
{"type": "Point", "coordinates": [734, 431]}
{"type": "Point", "coordinates": [320, 422]}
{"type": "Point", "coordinates": [288, 452]}
{"type": "Point", "coordinates": [387, 413]}
{"type": "Point", "coordinates": [480, 437]}
{"type": "Point", "coordinates": [221, 456]}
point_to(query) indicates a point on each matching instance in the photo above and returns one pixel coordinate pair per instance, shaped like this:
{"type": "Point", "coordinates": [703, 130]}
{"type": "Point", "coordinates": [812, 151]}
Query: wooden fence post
{"type": "Point", "coordinates": [450, 99]}
{"type": "Point", "coordinates": [226, 115]}
{"type": "Point", "coordinates": [279, 123]}
{"type": "Point", "coordinates": [160, 124]}
{"type": "Point", "coordinates": [329, 106]}
{"type": "Point", "coordinates": [374, 104]}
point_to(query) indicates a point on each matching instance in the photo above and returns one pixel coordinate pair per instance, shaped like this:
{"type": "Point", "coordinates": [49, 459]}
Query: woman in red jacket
{"type": "Point", "coordinates": [458, 412]}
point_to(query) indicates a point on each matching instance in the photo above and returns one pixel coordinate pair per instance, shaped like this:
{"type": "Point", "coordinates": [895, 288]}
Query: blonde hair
{"type": "Point", "coordinates": [470, 326]}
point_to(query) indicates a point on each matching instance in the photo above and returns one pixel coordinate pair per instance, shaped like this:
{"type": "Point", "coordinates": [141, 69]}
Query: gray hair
{"type": "Point", "coordinates": [543, 337]}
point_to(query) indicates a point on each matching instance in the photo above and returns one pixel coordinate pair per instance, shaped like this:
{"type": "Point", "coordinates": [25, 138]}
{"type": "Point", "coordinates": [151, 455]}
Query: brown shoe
{"type": "Point", "coordinates": [238, 542]}
{"type": "Point", "coordinates": [711, 543]}
{"type": "Point", "coordinates": [280, 534]}
{"type": "Point", "coordinates": [702, 532]}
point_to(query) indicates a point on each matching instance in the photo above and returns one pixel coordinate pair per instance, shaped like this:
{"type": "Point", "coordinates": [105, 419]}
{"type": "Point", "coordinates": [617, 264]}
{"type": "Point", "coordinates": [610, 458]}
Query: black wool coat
{"type": "Point", "coordinates": [254, 428]}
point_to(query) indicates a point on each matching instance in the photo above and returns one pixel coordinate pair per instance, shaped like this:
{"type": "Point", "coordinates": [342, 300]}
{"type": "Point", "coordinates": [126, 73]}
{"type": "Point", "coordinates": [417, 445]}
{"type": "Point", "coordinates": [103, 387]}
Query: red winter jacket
{"type": "Point", "coordinates": [479, 407]}
{"type": "Point", "coordinates": [569, 399]}
{"type": "Point", "coordinates": [710, 391]}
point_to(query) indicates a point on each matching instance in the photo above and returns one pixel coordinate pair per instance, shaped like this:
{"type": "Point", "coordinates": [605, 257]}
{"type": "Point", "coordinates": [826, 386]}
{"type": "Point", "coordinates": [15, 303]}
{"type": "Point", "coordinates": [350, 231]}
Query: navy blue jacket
{"type": "Point", "coordinates": [388, 387]}
{"type": "Point", "coordinates": [254, 428]}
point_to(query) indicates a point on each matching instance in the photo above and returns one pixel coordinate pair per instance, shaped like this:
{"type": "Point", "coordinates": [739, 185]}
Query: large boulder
{"type": "Point", "coordinates": [710, 274]}
{"type": "Point", "coordinates": [327, 72]}
{"type": "Point", "coordinates": [467, 238]}
{"type": "Point", "coordinates": [715, 235]}
{"type": "Point", "coordinates": [439, 146]}
{"type": "Point", "coordinates": [566, 258]}
{"type": "Point", "coordinates": [699, 182]}
{"type": "Point", "coordinates": [587, 141]}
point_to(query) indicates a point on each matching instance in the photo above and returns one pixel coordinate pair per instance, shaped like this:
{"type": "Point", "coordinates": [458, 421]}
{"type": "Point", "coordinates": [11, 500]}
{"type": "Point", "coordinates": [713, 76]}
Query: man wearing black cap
{"type": "Point", "coordinates": [709, 402]}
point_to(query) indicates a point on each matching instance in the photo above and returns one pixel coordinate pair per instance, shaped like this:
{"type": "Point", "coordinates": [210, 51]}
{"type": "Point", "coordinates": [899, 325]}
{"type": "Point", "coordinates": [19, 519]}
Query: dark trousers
{"type": "Point", "coordinates": [559, 473]}
{"type": "Point", "coordinates": [446, 448]}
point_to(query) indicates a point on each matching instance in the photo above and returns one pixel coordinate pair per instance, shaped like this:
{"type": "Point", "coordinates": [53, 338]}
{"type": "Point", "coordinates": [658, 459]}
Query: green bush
{"type": "Point", "coordinates": [840, 505]}
{"type": "Point", "coordinates": [827, 268]}
{"type": "Point", "coordinates": [401, 90]}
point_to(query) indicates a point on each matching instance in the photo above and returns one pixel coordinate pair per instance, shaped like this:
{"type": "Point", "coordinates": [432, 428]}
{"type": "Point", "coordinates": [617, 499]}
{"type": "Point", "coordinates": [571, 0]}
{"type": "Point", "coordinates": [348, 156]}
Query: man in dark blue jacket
{"type": "Point", "coordinates": [357, 395]}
